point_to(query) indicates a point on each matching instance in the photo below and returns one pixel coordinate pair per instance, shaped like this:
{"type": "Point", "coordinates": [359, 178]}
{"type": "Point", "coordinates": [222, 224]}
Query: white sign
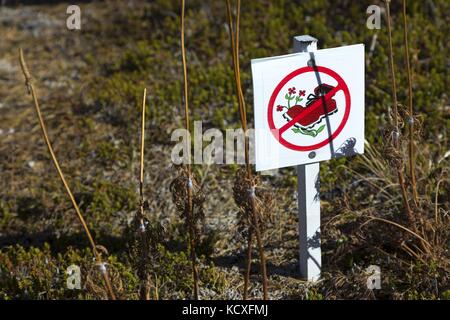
{"type": "Point", "coordinates": [308, 106]}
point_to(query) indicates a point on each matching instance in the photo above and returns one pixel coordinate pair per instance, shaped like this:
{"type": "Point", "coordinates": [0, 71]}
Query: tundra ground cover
{"type": "Point", "coordinates": [91, 90]}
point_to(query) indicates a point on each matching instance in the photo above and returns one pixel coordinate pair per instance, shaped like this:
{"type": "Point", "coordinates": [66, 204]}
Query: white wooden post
{"type": "Point", "coordinates": [308, 198]}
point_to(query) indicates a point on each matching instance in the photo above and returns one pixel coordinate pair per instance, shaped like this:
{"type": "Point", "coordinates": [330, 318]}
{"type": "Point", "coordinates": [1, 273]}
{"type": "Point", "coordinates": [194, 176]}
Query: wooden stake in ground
{"type": "Point", "coordinates": [98, 258]}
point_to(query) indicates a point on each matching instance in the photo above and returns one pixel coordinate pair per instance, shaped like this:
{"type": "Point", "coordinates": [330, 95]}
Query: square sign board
{"type": "Point", "coordinates": [308, 106]}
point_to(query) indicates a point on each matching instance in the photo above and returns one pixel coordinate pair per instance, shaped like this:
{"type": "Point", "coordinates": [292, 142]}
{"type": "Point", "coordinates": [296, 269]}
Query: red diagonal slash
{"type": "Point", "coordinates": [317, 104]}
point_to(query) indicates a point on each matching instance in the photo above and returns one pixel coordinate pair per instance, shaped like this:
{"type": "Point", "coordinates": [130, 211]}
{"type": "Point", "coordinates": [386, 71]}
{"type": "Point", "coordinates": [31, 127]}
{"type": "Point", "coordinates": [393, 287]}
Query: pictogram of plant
{"type": "Point", "coordinates": [291, 95]}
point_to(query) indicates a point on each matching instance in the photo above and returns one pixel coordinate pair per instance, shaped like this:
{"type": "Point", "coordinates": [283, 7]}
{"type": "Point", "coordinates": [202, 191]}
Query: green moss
{"type": "Point", "coordinates": [314, 294]}
{"type": "Point", "coordinates": [5, 214]}
{"type": "Point", "coordinates": [106, 205]}
{"type": "Point", "coordinates": [37, 273]}
{"type": "Point", "coordinates": [446, 295]}
{"type": "Point", "coordinates": [174, 269]}
{"type": "Point", "coordinates": [109, 198]}
{"type": "Point", "coordinates": [109, 153]}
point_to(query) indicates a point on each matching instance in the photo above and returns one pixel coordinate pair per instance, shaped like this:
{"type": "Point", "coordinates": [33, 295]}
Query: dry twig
{"type": "Point", "coordinates": [144, 291]}
{"type": "Point", "coordinates": [189, 183]}
{"type": "Point", "coordinates": [97, 254]}
{"type": "Point", "coordinates": [254, 223]}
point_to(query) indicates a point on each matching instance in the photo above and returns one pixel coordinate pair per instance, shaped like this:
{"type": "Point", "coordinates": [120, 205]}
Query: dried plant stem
{"type": "Point", "coordinates": [234, 48]}
{"type": "Point", "coordinates": [411, 252]}
{"type": "Point", "coordinates": [262, 257]}
{"type": "Point", "coordinates": [141, 175]}
{"type": "Point", "coordinates": [234, 39]}
{"type": "Point", "coordinates": [427, 245]}
{"type": "Point", "coordinates": [189, 204]}
{"type": "Point", "coordinates": [401, 178]}
{"type": "Point", "coordinates": [392, 68]}
{"type": "Point", "coordinates": [32, 91]}
{"type": "Point", "coordinates": [248, 264]}
{"type": "Point", "coordinates": [410, 110]}
{"type": "Point", "coordinates": [144, 291]}
{"type": "Point", "coordinates": [192, 244]}
{"type": "Point", "coordinates": [436, 211]}
{"type": "Point", "coordinates": [401, 181]}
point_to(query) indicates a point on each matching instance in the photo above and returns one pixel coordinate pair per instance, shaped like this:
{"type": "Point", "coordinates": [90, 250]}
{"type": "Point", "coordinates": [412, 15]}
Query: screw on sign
{"type": "Point", "coordinates": [309, 107]}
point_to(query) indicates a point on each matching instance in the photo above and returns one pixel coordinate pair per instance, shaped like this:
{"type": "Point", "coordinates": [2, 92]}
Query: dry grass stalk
{"type": "Point", "coordinates": [144, 291]}
{"type": "Point", "coordinates": [419, 224]}
{"type": "Point", "coordinates": [411, 150]}
{"type": "Point", "coordinates": [97, 254]}
{"type": "Point", "coordinates": [395, 151]}
{"type": "Point", "coordinates": [191, 212]}
{"type": "Point", "coordinates": [399, 226]}
{"type": "Point", "coordinates": [254, 223]}
{"type": "Point", "coordinates": [189, 205]}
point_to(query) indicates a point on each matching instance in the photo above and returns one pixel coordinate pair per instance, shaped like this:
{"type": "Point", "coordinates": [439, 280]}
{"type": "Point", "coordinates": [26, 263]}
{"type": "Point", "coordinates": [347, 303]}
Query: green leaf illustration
{"type": "Point", "coordinates": [311, 133]}
{"type": "Point", "coordinates": [298, 99]}
{"type": "Point", "coordinates": [320, 129]}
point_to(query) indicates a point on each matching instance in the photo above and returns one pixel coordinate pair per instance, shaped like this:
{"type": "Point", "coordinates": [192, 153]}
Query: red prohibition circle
{"type": "Point", "coordinates": [341, 86]}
